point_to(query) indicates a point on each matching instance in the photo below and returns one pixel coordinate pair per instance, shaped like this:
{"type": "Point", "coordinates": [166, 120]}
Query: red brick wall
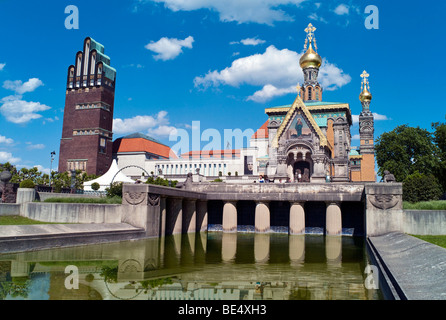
{"type": "Point", "coordinates": [86, 147]}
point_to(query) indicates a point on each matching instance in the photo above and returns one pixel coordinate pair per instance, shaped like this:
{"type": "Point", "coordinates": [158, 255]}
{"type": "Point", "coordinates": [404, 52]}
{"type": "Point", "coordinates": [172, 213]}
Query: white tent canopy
{"type": "Point", "coordinates": [105, 180]}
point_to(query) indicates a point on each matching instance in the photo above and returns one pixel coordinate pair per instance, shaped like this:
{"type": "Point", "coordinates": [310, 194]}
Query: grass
{"type": "Point", "coordinates": [114, 200]}
{"type": "Point", "coordinates": [18, 221]}
{"type": "Point", "coordinates": [437, 240]}
{"type": "Point", "coordinates": [429, 205]}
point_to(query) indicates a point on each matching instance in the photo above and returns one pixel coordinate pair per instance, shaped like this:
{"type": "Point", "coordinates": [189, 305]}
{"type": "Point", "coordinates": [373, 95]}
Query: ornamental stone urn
{"type": "Point", "coordinates": [5, 176]}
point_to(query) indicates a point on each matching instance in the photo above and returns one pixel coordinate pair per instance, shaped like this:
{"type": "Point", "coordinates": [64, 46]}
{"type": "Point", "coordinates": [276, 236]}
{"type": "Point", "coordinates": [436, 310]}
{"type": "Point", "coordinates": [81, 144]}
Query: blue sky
{"type": "Point", "coordinates": [220, 62]}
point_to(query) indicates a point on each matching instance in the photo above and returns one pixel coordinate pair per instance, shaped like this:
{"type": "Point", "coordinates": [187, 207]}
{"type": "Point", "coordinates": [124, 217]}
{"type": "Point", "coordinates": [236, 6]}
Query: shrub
{"type": "Point", "coordinates": [217, 180]}
{"type": "Point", "coordinates": [27, 184]}
{"type": "Point", "coordinates": [95, 186]}
{"type": "Point", "coordinates": [115, 190]}
{"type": "Point", "coordinates": [419, 187]}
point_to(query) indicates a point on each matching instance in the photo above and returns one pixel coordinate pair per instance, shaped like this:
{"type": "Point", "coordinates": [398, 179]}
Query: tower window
{"type": "Point", "coordinates": [310, 94]}
{"type": "Point", "coordinates": [102, 145]}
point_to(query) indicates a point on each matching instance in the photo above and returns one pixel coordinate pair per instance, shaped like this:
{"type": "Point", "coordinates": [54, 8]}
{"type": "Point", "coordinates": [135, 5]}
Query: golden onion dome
{"type": "Point", "coordinates": [310, 59]}
{"type": "Point", "coordinates": [365, 95]}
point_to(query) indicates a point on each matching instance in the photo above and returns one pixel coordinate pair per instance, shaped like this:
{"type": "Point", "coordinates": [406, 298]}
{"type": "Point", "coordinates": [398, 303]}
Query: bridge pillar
{"type": "Point", "coordinates": [189, 223]}
{"type": "Point", "coordinates": [228, 246]}
{"type": "Point", "coordinates": [297, 218]}
{"type": "Point", "coordinates": [163, 210]}
{"type": "Point", "coordinates": [262, 217]}
{"type": "Point", "coordinates": [202, 216]}
{"type": "Point", "coordinates": [174, 216]}
{"type": "Point", "coordinates": [230, 216]}
{"type": "Point", "coordinates": [333, 219]}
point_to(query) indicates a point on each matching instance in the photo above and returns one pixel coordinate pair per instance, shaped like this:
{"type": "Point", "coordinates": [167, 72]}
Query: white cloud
{"type": "Point", "coordinates": [168, 49]}
{"type": "Point", "coordinates": [241, 11]}
{"type": "Point", "coordinates": [356, 137]}
{"type": "Point", "coordinates": [342, 9]}
{"type": "Point", "coordinates": [376, 116]}
{"type": "Point", "coordinates": [38, 146]}
{"type": "Point", "coordinates": [155, 125]}
{"type": "Point", "coordinates": [7, 157]}
{"type": "Point", "coordinates": [20, 88]}
{"type": "Point", "coordinates": [42, 169]}
{"type": "Point", "coordinates": [269, 91]}
{"type": "Point", "coordinates": [163, 131]}
{"type": "Point", "coordinates": [277, 71]}
{"type": "Point", "coordinates": [18, 111]}
{"type": "Point", "coordinates": [2, 66]}
{"type": "Point", "coordinates": [314, 16]}
{"type": "Point", "coordinates": [4, 140]}
{"type": "Point", "coordinates": [249, 42]}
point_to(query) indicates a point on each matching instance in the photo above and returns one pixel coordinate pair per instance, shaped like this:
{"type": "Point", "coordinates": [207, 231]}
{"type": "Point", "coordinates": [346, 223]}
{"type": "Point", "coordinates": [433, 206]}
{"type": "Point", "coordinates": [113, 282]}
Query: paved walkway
{"type": "Point", "coordinates": [418, 267]}
{"type": "Point", "coordinates": [35, 237]}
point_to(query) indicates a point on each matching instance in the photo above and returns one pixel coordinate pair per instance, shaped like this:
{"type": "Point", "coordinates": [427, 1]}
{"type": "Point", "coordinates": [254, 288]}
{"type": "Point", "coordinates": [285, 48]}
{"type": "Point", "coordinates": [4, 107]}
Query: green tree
{"type": "Point", "coordinates": [419, 187]}
{"type": "Point", "coordinates": [95, 186]}
{"type": "Point", "coordinates": [406, 150]}
{"type": "Point", "coordinates": [440, 141]}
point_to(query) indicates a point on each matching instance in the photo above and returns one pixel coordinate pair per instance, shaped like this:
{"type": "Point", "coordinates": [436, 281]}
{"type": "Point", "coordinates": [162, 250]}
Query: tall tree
{"type": "Point", "coordinates": [440, 141]}
{"type": "Point", "coordinates": [406, 150]}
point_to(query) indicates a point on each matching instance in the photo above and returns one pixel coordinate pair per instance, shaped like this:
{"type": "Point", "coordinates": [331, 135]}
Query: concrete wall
{"type": "Point", "coordinates": [42, 196]}
{"type": "Point", "coordinates": [424, 222]}
{"type": "Point", "coordinates": [72, 212]}
{"type": "Point", "coordinates": [9, 209]}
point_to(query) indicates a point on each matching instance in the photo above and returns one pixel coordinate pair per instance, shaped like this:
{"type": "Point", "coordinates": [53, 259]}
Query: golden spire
{"type": "Point", "coordinates": [365, 88]}
{"type": "Point", "coordinates": [310, 58]}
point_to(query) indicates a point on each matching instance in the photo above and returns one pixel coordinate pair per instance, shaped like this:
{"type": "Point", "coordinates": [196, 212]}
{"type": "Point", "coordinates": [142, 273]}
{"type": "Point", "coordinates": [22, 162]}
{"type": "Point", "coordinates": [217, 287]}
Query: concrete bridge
{"type": "Point", "coordinates": [375, 208]}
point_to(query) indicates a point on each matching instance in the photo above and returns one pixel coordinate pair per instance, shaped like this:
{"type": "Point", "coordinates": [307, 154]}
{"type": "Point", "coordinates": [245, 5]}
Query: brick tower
{"type": "Point", "coordinates": [87, 135]}
{"type": "Point", "coordinates": [366, 132]}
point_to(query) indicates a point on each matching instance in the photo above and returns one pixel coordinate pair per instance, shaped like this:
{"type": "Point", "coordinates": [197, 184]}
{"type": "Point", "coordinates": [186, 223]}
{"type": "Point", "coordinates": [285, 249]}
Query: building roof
{"type": "Point", "coordinates": [113, 174]}
{"type": "Point", "coordinates": [262, 132]}
{"type": "Point", "coordinates": [138, 142]}
{"type": "Point", "coordinates": [207, 154]}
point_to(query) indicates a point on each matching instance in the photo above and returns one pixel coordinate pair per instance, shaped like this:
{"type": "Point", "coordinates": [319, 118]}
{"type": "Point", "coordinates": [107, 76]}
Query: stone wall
{"type": "Point", "coordinates": [72, 212]}
{"type": "Point", "coordinates": [424, 222]}
{"type": "Point", "coordinates": [9, 209]}
{"type": "Point", "coordinates": [383, 208]}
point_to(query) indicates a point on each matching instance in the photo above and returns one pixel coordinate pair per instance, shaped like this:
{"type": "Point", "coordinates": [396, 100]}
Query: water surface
{"type": "Point", "coordinates": [206, 266]}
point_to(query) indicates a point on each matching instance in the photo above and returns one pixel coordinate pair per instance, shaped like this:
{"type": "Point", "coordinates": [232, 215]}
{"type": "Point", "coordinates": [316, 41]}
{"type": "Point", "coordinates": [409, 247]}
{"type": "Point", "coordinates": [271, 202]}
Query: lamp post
{"type": "Point", "coordinates": [51, 166]}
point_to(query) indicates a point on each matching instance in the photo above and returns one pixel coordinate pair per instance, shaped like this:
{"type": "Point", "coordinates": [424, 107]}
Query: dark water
{"type": "Point", "coordinates": [207, 266]}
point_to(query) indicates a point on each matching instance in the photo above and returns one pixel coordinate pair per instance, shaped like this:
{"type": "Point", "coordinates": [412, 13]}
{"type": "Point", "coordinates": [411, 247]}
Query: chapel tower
{"type": "Point", "coordinates": [86, 142]}
{"type": "Point", "coordinates": [310, 63]}
{"type": "Point", "coordinates": [366, 132]}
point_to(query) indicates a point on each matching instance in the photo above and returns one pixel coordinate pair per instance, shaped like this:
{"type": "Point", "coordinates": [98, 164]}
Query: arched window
{"type": "Point", "coordinates": [310, 93]}
{"type": "Point", "coordinates": [87, 55]}
{"type": "Point", "coordinates": [78, 65]}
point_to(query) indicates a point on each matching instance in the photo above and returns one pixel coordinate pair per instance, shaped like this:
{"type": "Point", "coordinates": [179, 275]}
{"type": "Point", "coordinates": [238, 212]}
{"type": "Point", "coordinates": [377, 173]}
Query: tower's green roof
{"type": "Point", "coordinates": [137, 135]}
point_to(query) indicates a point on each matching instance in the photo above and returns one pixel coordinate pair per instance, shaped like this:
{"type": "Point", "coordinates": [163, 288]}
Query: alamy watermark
{"type": "Point", "coordinates": [372, 21]}
{"type": "Point", "coordinates": [72, 21]}
{"type": "Point", "coordinates": [372, 280]}
{"type": "Point", "coordinates": [72, 280]}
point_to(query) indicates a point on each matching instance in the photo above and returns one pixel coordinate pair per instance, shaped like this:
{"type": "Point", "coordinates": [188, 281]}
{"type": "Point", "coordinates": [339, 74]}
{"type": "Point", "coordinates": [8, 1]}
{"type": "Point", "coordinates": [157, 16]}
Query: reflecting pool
{"type": "Point", "coordinates": [206, 266]}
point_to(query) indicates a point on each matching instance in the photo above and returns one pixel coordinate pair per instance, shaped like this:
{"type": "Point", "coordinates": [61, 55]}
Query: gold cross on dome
{"type": "Point", "coordinates": [310, 36]}
{"type": "Point", "coordinates": [365, 78]}
{"type": "Point", "coordinates": [310, 31]}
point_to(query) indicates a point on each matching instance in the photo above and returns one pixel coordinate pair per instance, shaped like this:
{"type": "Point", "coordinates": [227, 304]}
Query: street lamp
{"type": "Point", "coordinates": [51, 166]}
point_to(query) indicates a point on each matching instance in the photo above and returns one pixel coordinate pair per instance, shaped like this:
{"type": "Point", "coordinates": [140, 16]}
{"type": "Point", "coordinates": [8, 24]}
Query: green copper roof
{"type": "Point", "coordinates": [137, 135]}
{"type": "Point", "coordinates": [96, 45]}
{"type": "Point", "coordinates": [321, 122]}
{"type": "Point", "coordinates": [109, 72]}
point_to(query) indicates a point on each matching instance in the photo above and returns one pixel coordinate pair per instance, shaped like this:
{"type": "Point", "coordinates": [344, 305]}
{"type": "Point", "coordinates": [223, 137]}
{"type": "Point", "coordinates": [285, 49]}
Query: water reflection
{"type": "Point", "coordinates": [203, 266]}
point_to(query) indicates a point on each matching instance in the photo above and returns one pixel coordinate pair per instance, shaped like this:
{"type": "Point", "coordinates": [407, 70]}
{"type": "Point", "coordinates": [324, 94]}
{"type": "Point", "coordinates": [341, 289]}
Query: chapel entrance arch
{"type": "Point", "coordinates": [299, 160]}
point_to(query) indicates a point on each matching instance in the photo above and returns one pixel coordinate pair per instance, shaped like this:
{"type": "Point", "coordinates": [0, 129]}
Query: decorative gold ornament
{"type": "Point", "coordinates": [311, 59]}
{"type": "Point", "coordinates": [365, 87]}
